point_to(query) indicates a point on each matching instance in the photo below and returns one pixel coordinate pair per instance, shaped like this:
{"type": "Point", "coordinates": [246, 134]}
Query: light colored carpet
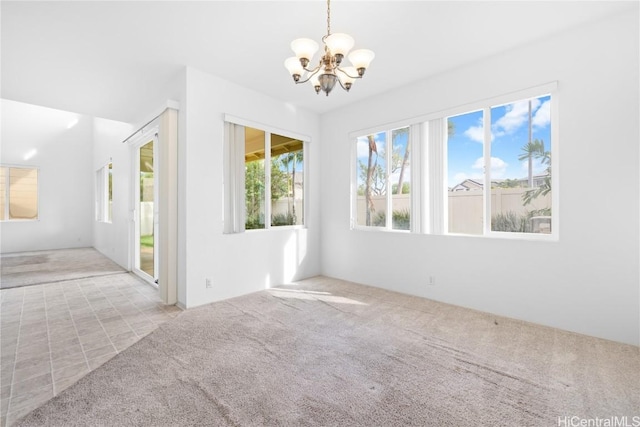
{"type": "Point", "coordinates": [34, 268]}
{"type": "Point", "coordinates": [325, 352]}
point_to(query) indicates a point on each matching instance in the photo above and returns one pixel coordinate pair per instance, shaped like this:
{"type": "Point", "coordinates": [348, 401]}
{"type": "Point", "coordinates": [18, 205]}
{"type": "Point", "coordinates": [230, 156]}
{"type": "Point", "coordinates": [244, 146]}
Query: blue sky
{"type": "Point", "coordinates": [509, 132]}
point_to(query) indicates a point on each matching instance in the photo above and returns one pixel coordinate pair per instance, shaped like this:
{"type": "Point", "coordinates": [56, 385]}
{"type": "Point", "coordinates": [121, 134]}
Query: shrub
{"type": "Point", "coordinates": [283, 219]}
{"type": "Point", "coordinates": [401, 219]}
{"type": "Point", "coordinates": [511, 222]}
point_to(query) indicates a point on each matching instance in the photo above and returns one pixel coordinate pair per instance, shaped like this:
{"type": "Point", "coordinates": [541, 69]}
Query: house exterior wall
{"type": "Point", "coordinates": [587, 280]}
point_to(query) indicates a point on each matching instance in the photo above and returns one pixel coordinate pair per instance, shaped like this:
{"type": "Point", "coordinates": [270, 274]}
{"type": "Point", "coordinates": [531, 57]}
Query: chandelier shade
{"type": "Point", "coordinates": [329, 70]}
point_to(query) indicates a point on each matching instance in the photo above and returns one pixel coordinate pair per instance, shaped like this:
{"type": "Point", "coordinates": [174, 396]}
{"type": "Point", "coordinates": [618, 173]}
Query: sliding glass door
{"type": "Point", "coordinates": [145, 210]}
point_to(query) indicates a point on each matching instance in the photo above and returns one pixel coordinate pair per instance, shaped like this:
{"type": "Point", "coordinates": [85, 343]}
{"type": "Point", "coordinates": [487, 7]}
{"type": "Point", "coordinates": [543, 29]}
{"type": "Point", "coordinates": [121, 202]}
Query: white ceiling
{"type": "Point", "coordinates": [116, 59]}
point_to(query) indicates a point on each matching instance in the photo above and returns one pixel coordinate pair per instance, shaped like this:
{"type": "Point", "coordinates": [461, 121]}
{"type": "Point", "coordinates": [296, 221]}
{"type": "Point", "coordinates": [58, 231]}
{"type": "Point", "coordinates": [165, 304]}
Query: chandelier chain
{"type": "Point", "coordinates": [328, 17]}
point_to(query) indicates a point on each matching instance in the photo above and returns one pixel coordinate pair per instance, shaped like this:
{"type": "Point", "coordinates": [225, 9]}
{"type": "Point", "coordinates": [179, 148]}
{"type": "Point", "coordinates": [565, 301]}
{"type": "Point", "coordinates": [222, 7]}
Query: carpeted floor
{"type": "Point", "coordinates": [325, 352]}
{"type": "Point", "coordinates": [33, 268]}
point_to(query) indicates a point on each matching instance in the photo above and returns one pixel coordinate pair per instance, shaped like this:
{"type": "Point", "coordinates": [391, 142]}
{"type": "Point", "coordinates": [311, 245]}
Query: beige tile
{"type": "Point", "coordinates": [62, 334]}
{"type": "Point", "coordinates": [22, 387]}
{"type": "Point", "coordinates": [98, 335]}
{"type": "Point", "coordinates": [34, 336]}
{"type": "Point", "coordinates": [22, 374]}
{"type": "Point", "coordinates": [92, 345]}
{"type": "Point", "coordinates": [99, 361]}
{"type": "Point", "coordinates": [5, 393]}
{"type": "Point", "coordinates": [59, 345]}
{"type": "Point", "coordinates": [70, 350]}
{"type": "Point", "coordinates": [100, 351]}
{"type": "Point", "coordinates": [32, 361]}
{"type": "Point", "coordinates": [30, 349]}
{"type": "Point", "coordinates": [70, 371]}
{"type": "Point", "coordinates": [34, 396]}
{"type": "Point", "coordinates": [68, 360]}
{"type": "Point", "coordinates": [88, 329]}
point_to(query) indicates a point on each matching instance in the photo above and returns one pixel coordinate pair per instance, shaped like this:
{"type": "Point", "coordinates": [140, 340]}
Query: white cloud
{"type": "Point", "coordinates": [516, 115]}
{"type": "Point", "coordinates": [459, 177]}
{"type": "Point", "coordinates": [498, 166]}
{"type": "Point", "coordinates": [542, 117]}
{"type": "Point", "coordinates": [475, 133]}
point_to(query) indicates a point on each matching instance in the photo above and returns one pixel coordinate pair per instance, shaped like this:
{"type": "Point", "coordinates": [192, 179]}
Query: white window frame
{"type": "Point", "coordinates": [417, 172]}
{"type": "Point", "coordinates": [7, 194]}
{"type": "Point", "coordinates": [429, 201]}
{"type": "Point", "coordinates": [233, 176]}
{"type": "Point", "coordinates": [102, 194]}
{"type": "Point", "coordinates": [485, 106]}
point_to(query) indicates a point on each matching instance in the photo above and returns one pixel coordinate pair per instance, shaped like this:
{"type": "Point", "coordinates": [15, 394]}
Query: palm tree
{"type": "Point", "coordinates": [531, 150]}
{"type": "Point", "coordinates": [292, 158]}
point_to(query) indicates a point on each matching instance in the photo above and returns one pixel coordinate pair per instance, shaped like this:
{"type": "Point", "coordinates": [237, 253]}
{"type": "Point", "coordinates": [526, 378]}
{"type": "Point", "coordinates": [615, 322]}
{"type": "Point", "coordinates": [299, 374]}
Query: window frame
{"type": "Point", "coordinates": [485, 106]}
{"type": "Point", "coordinates": [102, 212]}
{"type": "Point", "coordinates": [429, 195]}
{"type": "Point", "coordinates": [416, 198]}
{"type": "Point", "coordinates": [7, 193]}
{"type": "Point", "coordinates": [236, 216]}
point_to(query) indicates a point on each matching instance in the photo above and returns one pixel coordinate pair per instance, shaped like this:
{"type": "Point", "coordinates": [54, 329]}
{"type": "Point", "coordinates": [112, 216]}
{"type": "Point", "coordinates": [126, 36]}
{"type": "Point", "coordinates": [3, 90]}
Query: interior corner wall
{"type": "Point", "coordinates": [112, 239]}
{"type": "Point", "coordinates": [246, 262]}
{"type": "Point", "coordinates": [59, 144]}
{"type": "Point", "coordinates": [587, 281]}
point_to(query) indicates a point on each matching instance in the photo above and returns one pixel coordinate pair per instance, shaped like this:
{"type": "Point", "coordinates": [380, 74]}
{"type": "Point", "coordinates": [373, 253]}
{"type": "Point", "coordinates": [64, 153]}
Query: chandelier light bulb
{"type": "Point", "coordinates": [295, 67]}
{"type": "Point", "coordinates": [304, 49]}
{"type": "Point", "coordinates": [361, 59]}
{"type": "Point", "coordinates": [339, 44]}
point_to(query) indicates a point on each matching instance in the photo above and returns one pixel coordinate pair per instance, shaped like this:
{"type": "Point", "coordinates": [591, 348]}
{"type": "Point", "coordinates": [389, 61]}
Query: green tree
{"type": "Point", "coordinates": [530, 151]}
{"type": "Point", "coordinates": [254, 194]}
{"type": "Point", "coordinates": [291, 159]}
{"type": "Point", "coordinates": [544, 188]}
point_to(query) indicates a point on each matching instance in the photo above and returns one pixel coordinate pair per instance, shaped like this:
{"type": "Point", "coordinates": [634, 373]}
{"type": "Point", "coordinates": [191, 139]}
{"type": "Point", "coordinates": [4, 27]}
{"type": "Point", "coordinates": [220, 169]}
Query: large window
{"type": "Point", "coordinates": [18, 193]}
{"type": "Point", "coordinates": [499, 179]}
{"type": "Point", "coordinates": [485, 169]}
{"type": "Point", "coordinates": [383, 180]}
{"type": "Point", "coordinates": [272, 185]}
{"type": "Point", "coordinates": [104, 193]}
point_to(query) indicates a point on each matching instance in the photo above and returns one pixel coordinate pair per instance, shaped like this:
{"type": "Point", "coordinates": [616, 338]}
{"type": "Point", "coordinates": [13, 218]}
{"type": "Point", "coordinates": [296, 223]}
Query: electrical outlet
{"type": "Point", "coordinates": [432, 281]}
{"type": "Point", "coordinates": [207, 283]}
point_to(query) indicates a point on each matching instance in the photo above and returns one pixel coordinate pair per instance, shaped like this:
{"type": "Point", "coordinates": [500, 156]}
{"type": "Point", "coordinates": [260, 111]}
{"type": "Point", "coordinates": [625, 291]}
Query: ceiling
{"type": "Point", "coordinates": [117, 59]}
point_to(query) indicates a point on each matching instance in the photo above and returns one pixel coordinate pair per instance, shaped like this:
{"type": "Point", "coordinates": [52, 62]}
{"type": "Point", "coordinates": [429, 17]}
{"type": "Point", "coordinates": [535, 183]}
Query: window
{"type": "Point", "coordinates": [383, 180]}
{"type": "Point", "coordinates": [104, 193]}
{"type": "Point", "coordinates": [18, 193]}
{"type": "Point", "coordinates": [484, 169]}
{"type": "Point", "coordinates": [499, 180]}
{"type": "Point", "coordinates": [272, 184]}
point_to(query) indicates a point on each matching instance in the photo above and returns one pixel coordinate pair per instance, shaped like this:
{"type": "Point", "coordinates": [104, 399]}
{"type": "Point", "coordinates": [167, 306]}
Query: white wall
{"type": "Point", "coordinates": [64, 158]}
{"type": "Point", "coordinates": [587, 281]}
{"type": "Point", "coordinates": [112, 239]}
{"type": "Point", "coordinates": [237, 263]}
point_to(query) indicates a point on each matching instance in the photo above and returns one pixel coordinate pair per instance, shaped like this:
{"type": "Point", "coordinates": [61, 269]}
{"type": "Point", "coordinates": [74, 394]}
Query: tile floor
{"type": "Point", "coordinates": [51, 335]}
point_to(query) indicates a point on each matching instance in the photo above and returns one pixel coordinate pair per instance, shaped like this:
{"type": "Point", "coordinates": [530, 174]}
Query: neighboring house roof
{"type": "Point", "coordinates": [466, 185]}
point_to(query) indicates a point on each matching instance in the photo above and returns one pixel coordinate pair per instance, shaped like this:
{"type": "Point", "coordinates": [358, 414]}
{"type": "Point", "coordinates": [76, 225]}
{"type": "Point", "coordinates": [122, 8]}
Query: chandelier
{"type": "Point", "coordinates": [330, 68]}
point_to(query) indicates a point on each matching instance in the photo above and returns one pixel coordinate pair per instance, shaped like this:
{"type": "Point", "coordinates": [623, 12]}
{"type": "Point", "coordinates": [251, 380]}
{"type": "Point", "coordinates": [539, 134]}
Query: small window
{"type": "Point", "coordinates": [383, 183]}
{"type": "Point", "coordinates": [104, 193]}
{"type": "Point", "coordinates": [272, 181]}
{"type": "Point", "coordinates": [19, 193]}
